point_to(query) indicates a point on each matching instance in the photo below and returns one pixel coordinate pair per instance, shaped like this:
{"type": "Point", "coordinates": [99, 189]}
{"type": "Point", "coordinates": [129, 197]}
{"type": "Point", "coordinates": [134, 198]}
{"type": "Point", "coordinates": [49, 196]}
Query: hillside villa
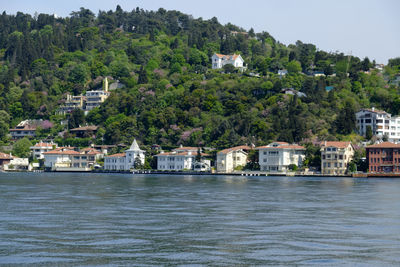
{"type": "Point", "coordinates": [218, 61]}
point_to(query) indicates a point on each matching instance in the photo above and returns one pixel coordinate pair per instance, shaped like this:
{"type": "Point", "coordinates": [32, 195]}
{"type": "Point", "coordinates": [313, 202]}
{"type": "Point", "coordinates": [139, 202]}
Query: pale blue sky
{"type": "Point", "coordinates": [363, 27]}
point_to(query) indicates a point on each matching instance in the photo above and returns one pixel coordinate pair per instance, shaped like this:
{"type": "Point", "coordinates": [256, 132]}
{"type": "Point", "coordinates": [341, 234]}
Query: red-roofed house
{"type": "Point", "coordinates": [231, 158]}
{"type": "Point", "coordinates": [384, 158]}
{"type": "Point", "coordinates": [335, 157]}
{"type": "Point", "coordinates": [277, 156]}
{"type": "Point", "coordinates": [219, 60]}
{"type": "Point", "coordinates": [65, 158]}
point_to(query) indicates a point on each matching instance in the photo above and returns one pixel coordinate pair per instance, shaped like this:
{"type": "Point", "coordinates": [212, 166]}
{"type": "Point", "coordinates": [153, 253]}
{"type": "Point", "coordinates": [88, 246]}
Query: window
{"type": "Point", "coordinates": [329, 164]}
{"type": "Point", "coordinates": [265, 160]}
{"type": "Point", "coordinates": [340, 156]}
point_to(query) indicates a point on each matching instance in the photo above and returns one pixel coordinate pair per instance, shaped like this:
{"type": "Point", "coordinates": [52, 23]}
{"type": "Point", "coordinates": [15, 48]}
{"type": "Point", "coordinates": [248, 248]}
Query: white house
{"type": "Point", "coordinates": [41, 147]}
{"type": "Point", "coordinates": [219, 60]}
{"type": "Point", "coordinates": [17, 164]}
{"type": "Point", "coordinates": [277, 156]}
{"type": "Point", "coordinates": [182, 158]}
{"type": "Point", "coordinates": [231, 158]}
{"type": "Point", "coordinates": [380, 122]}
{"type": "Point", "coordinates": [125, 161]}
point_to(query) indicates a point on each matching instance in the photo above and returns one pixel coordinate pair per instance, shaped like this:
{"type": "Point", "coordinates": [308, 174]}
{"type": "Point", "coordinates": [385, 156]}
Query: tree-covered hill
{"type": "Point", "coordinates": [171, 95]}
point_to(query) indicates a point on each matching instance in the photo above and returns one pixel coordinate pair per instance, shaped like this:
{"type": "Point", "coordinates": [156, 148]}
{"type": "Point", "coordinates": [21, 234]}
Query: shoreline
{"type": "Point", "coordinates": [246, 174]}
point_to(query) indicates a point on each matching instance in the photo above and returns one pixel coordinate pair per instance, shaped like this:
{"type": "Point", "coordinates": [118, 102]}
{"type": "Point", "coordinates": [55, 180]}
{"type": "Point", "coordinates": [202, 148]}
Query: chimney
{"type": "Point", "coordinates": [105, 84]}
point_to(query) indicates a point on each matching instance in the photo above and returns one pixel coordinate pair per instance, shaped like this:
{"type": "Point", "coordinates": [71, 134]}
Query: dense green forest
{"type": "Point", "coordinates": [171, 95]}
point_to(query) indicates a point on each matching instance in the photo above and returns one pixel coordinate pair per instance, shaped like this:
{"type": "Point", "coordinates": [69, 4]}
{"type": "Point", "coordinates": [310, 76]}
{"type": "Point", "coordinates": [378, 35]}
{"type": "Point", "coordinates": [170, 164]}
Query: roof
{"type": "Point", "coordinates": [283, 146]}
{"type": "Point", "coordinates": [373, 110]}
{"type": "Point", "coordinates": [62, 152]}
{"type": "Point", "coordinates": [85, 128]}
{"type": "Point", "coordinates": [118, 155]}
{"type": "Point", "coordinates": [236, 148]}
{"type": "Point", "coordinates": [186, 153]}
{"type": "Point", "coordinates": [186, 148]}
{"type": "Point", "coordinates": [5, 156]}
{"type": "Point", "coordinates": [41, 144]}
{"type": "Point", "coordinates": [227, 57]}
{"type": "Point", "coordinates": [90, 151]}
{"type": "Point", "coordinates": [385, 145]}
{"type": "Point", "coordinates": [134, 146]}
{"type": "Point", "coordinates": [338, 144]}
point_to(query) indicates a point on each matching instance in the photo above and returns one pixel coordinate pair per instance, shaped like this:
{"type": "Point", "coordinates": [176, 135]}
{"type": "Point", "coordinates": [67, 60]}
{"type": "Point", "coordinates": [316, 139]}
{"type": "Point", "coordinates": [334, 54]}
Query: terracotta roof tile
{"type": "Point", "coordinates": [338, 144]}
{"type": "Point", "coordinates": [227, 150]}
{"type": "Point", "coordinates": [385, 145]}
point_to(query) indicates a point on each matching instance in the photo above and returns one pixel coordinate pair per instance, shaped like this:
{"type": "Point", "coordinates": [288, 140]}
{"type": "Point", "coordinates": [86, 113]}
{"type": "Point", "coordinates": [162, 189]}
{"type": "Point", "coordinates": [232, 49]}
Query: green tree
{"type": "Point", "coordinates": [76, 118]}
{"type": "Point", "coordinates": [21, 148]}
{"type": "Point", "coordinates": [368, 132]}
{"type": "Point", "coordinates": [293, 66]}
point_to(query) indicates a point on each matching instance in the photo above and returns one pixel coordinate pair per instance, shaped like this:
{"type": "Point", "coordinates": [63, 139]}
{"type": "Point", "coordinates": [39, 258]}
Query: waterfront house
{"type": "Point", "coordinates": [383, 158]}
{"type": "Point", "coordinates": [17, 164]}
{"type": "Point", "coordinates": [70, 159]}
{"type": "Point", "coordinates": [182, 158]}
{"type": "Point", "coordinates": [278, 156]}
{"type": "Point", "coordinates": [218, 61]}
{"type": "Point", "coordinates": [231, 158]}
{"type": "Point", "coordinates": [5, 158]}
{"type": "Point", "coordinates": [335, 157]}
{"type": "Point", "coordinates": [38, 149]}
{"type": "Point", "coordinates": [125, 161]}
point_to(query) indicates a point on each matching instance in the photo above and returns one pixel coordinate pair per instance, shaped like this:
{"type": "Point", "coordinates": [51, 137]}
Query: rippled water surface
{"type": "Point", "coordinates": [100, 219]}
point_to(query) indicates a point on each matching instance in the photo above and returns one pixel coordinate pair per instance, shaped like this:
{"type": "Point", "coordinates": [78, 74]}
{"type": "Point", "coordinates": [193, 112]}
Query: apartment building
{"type": "Point", "coordinates": [381, 124]}
{"type": "Point", "coordinates": [335, 157]}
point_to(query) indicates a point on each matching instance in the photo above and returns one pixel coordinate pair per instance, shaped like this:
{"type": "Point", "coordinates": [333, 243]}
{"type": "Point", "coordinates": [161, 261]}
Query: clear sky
{"type": "Point", "coordinates": [361, 27]}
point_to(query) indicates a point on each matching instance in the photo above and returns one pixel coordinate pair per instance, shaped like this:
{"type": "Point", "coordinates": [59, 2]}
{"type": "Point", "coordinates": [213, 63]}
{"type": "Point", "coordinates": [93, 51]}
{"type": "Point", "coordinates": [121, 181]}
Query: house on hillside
{"type": "Point", "coordinates": [85, 131]}
{"type": "Point", "coordinates": [27, 128]}
{"type": "Point", "coordinates": [231, 158]}
{"type": "Point", "coordinates": [218, 61]}
{"type": "Point", "coordinates": [125, 161]}
{"type": "Point", "coordinates": [335, 157]}
{"type": "Point", "coordinates": [381, 124]}
{"type": "Point", "coordinates": [278, 156]}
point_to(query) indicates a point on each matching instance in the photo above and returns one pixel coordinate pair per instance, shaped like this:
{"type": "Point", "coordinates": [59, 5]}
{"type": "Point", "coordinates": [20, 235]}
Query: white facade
{"type": "Point", "coordinates": [125, 161]}
{"type": "Point", "coordinates": [17, 164]}
{"type": "Point", "coordinates": [278, 156]}
{"type": "Point", "coordinates": [230, 158]}
{"type": "Point", "coordinates": [381, 123]}
{"type": "Point", "coordinates": [219, 60]}
{"type": "Point", "coordinates": [41, 147]}
{"type": "Point", "coordinates": [179, 159]}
